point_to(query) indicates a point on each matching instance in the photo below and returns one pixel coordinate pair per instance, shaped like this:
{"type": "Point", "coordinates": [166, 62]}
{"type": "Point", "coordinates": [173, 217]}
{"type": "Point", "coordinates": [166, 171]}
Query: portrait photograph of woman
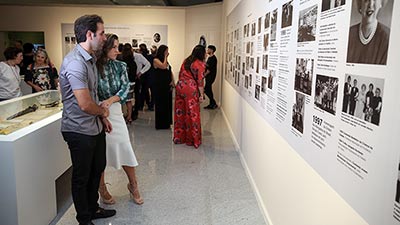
{"type": "Point", "coordinates": [369, 31]}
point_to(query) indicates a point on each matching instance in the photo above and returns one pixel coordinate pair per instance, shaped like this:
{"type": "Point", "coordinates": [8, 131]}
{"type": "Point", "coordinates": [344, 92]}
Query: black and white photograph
{"type": "Point", "coordinates": [266, 41]}
{"type": "Point", "coordinates": [248, 47]}
{"type": "Point", "coordinates": [369, 32]}
{"type": "Point", "coordinates": [238, 78]}
{"type": "Point", "coordinates": [307, 24]}
{"type": "Point", "coordinates": [303, 75]}
{"type": "Point", "coordinates": [271, 76]}
{"type": "Point", "coordinates": [266, 21]}
{"type": "Point", "coordinates": [73, 40]}
{"type": "Point", "coordinates": [326, 91]}
{"type": "Point", "coordinates": [397, 197]}
{"type": "Point", "coordinates": [238, 62]}
{"type": "Point", "coordinates": [253, 29]}
{"type": "Point", "coordinates": [362, 97]}
{"type": "Point", "coordinates": [67, 39]}
{"type": "Point", "coordinates": [257, 92]}
{"type": "Point", "coordinates": [243, 68]}
{"type": "Point", "coordinates": [264, 84]}
{"type": "Point", "coordinates": [250, 80]}
{"type": "Point", "coordinates": [258, 65]}
{"type": "Point", "coordinates": [259, 25]}
{"type": "Point", "coordinates": [245, 29]}
{"type": "Point", "coordinates": [251, 48]}
{"type": "Point", "coordinates": [246, 82]}
{"type": "Point", "coordinates": [298, 112]}
{"type": "Point", "coordinates": [156, 37]}
{"type": "Point", "coordinates": [247, 63]}
{"type": "Point", "coordinates": [203, 41]}
{"type": "Point", "coordinates": [252, 63]}
{"type": "Point", "coordinates": [331, 4]}
{"type": "Point", "coordinates": [274, 24]}
{"type": "Point", "coordinates": [265, 62]}
{"type": "Point", "coordinates": [287, 14]}
{"type": "Point", "coordinates": [135, 43]}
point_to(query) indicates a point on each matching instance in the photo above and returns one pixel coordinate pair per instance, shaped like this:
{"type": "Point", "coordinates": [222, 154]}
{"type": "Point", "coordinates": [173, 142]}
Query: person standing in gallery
{"type": "Point", "coordinates": [346, 94]}
{"type": "Point", "coordinates": [29, 56]}
{"type": "Point", "coordinates": [189, 95]}
{"type": "Point", "coordinates": [211, 74]}
{"type": "Point", "coordinates": [353, 97]}
{"type": "Point", "coordinates": [369, 96]}
{"type": "Point", "coordinates": [361, 101]}
{"type": "Point", "coordinates": [376, 107]}
{"type": "Point", "coordinates": [127, 57]}
{"type": "Point", "coordinates": [142, 67]}
{"type": "Point", "coordinates": [113, 91]}
{"type": "Point", "coordinates": [84, 122]}
{"type": "Point", "coordinates": [369, 39]}
{"type": "Point", "coordinates": [163, 85]}
{"type": "Point", "coordinates": [146, 79]}
{"type": "Point", "coordinates": [9, 74]}
{"type": "Point", "coordinates": [41, 75]}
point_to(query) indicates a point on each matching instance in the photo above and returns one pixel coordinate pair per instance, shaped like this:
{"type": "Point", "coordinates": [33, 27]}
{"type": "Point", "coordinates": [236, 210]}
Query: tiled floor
{"type": "Point", "coordinates": [181, 185]}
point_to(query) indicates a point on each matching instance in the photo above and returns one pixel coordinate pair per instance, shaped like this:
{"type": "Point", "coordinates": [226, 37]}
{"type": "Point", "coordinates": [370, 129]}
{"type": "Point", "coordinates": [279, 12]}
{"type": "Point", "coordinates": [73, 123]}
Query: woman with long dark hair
{"type": "Point", "coordinates": [113, 91]}
{"type": "Point", "coordinates": [163, 85]}
{"type": "Point", "coordinates": [189, 95]}
{"type": "Point", "coordinates": [128, 57]}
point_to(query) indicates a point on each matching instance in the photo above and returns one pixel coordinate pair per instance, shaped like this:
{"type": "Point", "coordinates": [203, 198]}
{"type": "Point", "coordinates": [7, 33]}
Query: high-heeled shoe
{"type": "Point", "coordinates": [105, 196]}
{"type": "Point", "coordinates": [134, 193]}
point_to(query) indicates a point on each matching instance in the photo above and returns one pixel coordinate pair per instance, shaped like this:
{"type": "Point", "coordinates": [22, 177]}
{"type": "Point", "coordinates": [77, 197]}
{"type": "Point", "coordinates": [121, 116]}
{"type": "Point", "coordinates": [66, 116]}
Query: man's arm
{"type": "Point", "coordinates": [87, 104]}
{"type": "Point", "coordinates": [141, 60]}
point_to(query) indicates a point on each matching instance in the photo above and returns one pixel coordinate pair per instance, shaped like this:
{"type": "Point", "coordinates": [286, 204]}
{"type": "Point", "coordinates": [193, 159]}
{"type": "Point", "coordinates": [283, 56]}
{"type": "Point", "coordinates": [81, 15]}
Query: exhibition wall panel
{"type": "Point", "coordinates": [49, 19]}
{"type": "Point", "coordinates": [311, 159]}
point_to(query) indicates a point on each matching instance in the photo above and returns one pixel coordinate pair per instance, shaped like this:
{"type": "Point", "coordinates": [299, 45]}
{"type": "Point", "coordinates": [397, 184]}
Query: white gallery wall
{"type": "Point", "coordinates": [290, 191]}
{"type": "Point", "coordinates": [206, 20]}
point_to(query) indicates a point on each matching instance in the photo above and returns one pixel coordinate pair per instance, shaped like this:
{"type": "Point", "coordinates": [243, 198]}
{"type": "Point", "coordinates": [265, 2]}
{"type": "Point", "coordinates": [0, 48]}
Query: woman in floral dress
{"type": "Point", "coordinates": [41, 75]}
{"type": "Point", "coordinates": [189, 95]}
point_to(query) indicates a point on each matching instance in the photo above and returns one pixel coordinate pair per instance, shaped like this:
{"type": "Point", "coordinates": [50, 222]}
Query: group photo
{"type": "Point", "coordinates": [362, 97]}
{"type": "Point", "coordinates": [326, 91]}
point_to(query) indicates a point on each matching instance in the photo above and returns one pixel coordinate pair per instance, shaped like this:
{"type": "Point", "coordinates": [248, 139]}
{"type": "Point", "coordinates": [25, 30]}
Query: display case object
{"type": "Point", "coordinates": [21, 112]}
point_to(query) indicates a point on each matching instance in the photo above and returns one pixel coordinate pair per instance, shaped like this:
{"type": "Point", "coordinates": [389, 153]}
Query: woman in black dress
{"type": "Point", "coordinates": [163, 85]}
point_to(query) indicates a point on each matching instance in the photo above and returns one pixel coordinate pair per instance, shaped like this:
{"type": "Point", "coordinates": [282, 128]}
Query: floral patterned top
{"type": "Point", "coordinates": [196, 74]}
{"type": "Point", "coordinates": [115, 81]}
{"type": "Point", "coordinates": [43, 76]}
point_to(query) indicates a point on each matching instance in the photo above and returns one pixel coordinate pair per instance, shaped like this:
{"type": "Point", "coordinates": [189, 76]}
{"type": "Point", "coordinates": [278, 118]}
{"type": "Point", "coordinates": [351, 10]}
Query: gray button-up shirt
{"type": "Point", "coordinates": [78, 71]}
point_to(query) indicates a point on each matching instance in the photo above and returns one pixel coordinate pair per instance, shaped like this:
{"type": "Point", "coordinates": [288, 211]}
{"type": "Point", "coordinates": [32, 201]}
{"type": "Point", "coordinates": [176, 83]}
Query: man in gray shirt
{"type": "Point", "coordinates": [84, 121]}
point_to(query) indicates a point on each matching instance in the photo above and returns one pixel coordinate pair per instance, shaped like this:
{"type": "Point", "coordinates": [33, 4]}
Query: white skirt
{"type": "Point", "coordinates": [119, 149]}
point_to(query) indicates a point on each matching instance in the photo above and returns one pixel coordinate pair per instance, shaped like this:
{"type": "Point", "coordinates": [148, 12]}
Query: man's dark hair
{"type": "Point", "coordinates": [143, 49]}
{"type": "Point", "coordinates": [11, 52]}
{"type": "Point", "coordinates": [85, 23]}
{"type": "Point", "coordinates": [212, 47]}
{"type": "Point", "coordinates": [28, 47]}
{"type": "Point", "coordinates": [120, 47]}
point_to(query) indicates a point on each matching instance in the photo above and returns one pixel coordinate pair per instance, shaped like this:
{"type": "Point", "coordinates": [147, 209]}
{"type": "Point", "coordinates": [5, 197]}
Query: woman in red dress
{"type": "Point", "coordinates": [189, 95]}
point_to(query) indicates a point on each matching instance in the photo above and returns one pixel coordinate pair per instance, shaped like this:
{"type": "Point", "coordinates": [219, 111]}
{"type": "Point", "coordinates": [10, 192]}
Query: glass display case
{"type": "Point", "coordinates": [34, 159]}
{"type": "Point", "coordinates": [21, 112]}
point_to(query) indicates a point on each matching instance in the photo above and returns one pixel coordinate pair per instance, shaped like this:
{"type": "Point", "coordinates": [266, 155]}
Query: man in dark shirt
{"type": "Point", "coordinates": [211, 73]}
